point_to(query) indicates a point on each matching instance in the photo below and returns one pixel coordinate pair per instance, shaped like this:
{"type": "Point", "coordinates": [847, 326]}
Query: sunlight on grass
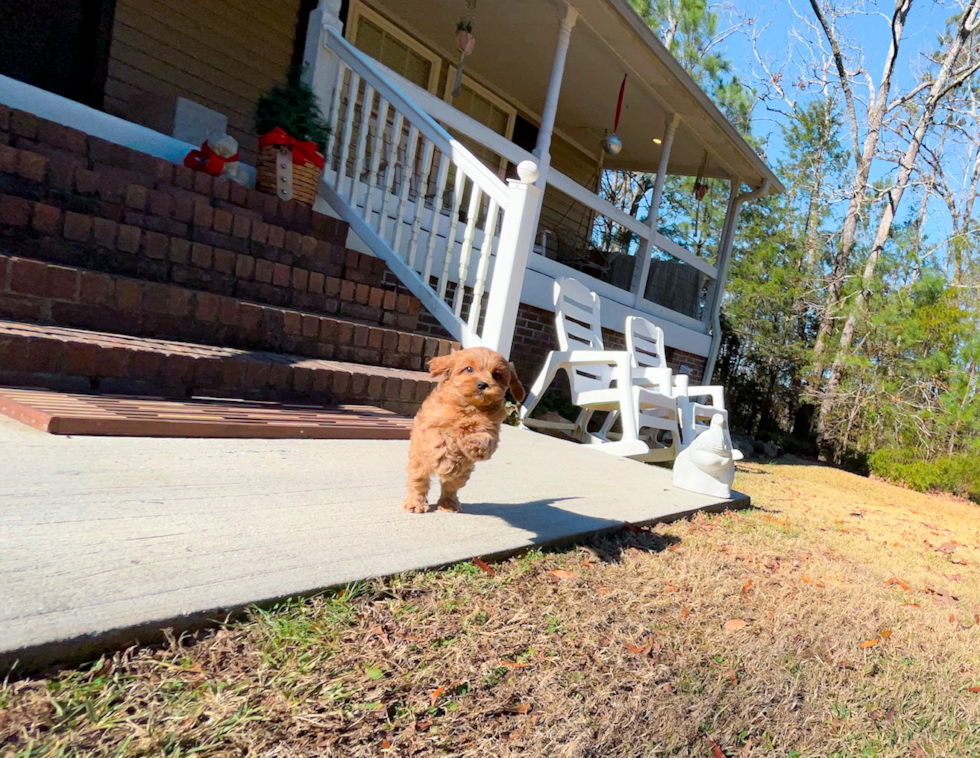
{"type": "Point", "coordinates": [838, 618]}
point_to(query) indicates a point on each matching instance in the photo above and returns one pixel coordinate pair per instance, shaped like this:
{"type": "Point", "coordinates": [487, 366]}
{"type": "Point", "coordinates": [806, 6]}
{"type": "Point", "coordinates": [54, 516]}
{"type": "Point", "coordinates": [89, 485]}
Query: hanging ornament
{"type": "Point", "coordinates": [611, 143]}
{"type": "Point", "coordinates": [465, 43]}
{"type": "Point", "coordinates": [700, 184]}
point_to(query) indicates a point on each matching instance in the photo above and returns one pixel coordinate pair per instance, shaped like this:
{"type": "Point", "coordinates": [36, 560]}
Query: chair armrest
{"type": "Point", "coordinates": [716, 392]}
{"type": "Point", "coordinates": [656, 377]}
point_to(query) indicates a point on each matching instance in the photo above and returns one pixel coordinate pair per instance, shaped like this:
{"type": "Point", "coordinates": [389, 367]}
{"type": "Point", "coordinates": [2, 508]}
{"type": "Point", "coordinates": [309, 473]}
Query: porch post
{"type": "Point", "coordinates": [321, 63]}
{"type": "Point", "coordinates": [542, 149]}
{"type": "Point", "coordinates": [510, 263]}
{"type": "Point", "coordinates": [658, 189]}
{"type": "Point", "coordinates": [735, 202]}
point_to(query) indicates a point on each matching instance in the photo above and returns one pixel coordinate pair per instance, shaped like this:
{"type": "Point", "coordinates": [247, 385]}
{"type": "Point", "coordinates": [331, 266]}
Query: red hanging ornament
{"type": "Point", "coordinates": [611, 143]}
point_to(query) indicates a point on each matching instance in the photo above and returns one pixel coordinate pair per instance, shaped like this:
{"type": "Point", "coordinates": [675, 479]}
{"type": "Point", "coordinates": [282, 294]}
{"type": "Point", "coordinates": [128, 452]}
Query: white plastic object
{"type": "Point", "coordinates": [707, 464]}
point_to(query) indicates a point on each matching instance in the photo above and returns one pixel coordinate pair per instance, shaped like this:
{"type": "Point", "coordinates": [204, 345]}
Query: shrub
{"type": "Point", "coordinates": [292, 106]}
{"type": "Point", "coordinates": [958, 474]}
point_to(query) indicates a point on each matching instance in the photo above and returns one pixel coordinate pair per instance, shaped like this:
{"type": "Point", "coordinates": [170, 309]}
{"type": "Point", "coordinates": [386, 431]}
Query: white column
{"type": "Point", "coordinates": [514, 248]}
{"type": "Point", "coordinates": [640, 282]}
{"type": "Point", "coordinates": [735, 202]}
{"type": "Point", "coordinates": [321, 63]}
{"type": "Point", "coordinates": [542, 149]}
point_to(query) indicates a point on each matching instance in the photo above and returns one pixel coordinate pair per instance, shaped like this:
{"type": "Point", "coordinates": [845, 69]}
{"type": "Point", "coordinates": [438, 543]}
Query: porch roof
{"type": "Point", "coordinates": [515, 46]}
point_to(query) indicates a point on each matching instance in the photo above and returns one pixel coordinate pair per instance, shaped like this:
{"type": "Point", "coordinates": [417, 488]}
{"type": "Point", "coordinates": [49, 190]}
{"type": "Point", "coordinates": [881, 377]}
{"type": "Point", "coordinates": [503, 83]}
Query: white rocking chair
{"type": "Point", "coordinates": [600, 380]}
{"type": "Point", "coordinates": [645, 342]}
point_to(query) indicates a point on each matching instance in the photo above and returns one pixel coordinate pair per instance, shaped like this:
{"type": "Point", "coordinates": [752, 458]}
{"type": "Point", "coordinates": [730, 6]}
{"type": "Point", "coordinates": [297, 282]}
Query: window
{"type": "Point", "coordinates": [371, 34]}
{"type": "Point", "coordinates": [481, 105]}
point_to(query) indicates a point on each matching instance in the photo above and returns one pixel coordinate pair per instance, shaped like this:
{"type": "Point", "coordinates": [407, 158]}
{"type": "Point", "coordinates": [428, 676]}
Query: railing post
{"type": "Point", "coordinates": [320, 61]}
{"type": "Point", "coordinates": [510, 264]}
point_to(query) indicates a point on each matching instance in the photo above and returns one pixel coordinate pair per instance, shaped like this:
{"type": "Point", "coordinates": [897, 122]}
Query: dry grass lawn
{"type": "Point", "coordinates": [837, 619]}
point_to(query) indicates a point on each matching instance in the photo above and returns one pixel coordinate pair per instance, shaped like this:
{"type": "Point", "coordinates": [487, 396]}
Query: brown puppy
{"type": "Point", "coordinates": [458, 424]}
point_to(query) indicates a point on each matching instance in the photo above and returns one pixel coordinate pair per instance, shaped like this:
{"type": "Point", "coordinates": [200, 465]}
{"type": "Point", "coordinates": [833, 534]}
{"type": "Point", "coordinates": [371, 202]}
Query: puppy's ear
{"type": "Point", "coordinates": [442, 366]}
{"type": "Point", "coordinates": [516, 388]}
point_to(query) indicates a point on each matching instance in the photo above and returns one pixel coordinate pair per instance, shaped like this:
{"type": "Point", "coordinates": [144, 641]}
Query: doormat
{"type": "Point", "coordinates": [125, 416]}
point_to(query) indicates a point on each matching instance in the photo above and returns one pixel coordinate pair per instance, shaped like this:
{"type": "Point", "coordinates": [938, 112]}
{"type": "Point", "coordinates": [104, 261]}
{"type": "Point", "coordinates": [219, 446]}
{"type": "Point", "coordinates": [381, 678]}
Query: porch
{"type": "Point", "coordinates": [105, 541]}
{"type": "Point", "coordinates": [405, 144]}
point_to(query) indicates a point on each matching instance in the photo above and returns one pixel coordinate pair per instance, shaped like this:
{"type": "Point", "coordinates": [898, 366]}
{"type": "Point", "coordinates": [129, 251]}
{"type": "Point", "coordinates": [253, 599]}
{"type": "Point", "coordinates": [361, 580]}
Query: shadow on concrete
{"type": "Point", "coordinates": [557, 528]}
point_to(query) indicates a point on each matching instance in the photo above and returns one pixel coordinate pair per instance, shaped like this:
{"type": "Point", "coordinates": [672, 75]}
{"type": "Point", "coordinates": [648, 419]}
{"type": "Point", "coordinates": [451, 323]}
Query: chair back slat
{"type": "Point", "coordinates": [645, 341]}
{"type": "Point", "coordinates": [579, 328]}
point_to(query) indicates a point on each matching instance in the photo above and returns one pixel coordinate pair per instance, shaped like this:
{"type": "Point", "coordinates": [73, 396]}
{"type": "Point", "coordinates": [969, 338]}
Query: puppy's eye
{"type": "Point", "coordinates": [496, 376]}
{"type": "Point", "coordinates": [468, 369]}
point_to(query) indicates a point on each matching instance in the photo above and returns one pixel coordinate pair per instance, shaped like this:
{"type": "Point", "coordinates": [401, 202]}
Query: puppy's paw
{"type": "Point", "coordinates": [479, 447]}
{"type": "Point", "coordinates": [416, 505]}
{"type": "Point", "coordinates": [449, 503]}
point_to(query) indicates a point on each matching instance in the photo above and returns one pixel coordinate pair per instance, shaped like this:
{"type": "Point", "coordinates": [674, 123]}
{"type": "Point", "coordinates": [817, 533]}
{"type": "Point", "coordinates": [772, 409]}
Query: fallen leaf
{"type": "Point", "coordinates": [716, 751]}
{"type": "Point", "coordinates": [604, 590]}
{"type": "Point", "coordinates": [919, 752]}
{"type": "Point", "coordinates": [379, 632]}
{"type": "Point", "coordinates": [668, 688]}
{"type": "Point", "coordinates": [484, 566]}
{"type": "Point", "coordinates": [423, 725]}
{"type": "Point", "coordinates": [869, 643]}
{"type": "Point", "coordinates": [885, 634]}
{"type": "Point", "coordinates": [952, 618]}
{"type": "Point", "coordinates": [900, 583]}
{"type": "Point", "coordinates": [385, 744]}
{"type": "Point", "coordinates": [746, 749]}
{"type": "Point", "coordinates": [974, 689]}
{"type": "Point", "coordinates": [911, 605]}
{"type": "Point", "coordinates": [731, 675]}
{"type": "Point", "coordinates": [511, 664]}
{"type": "Point", "coordinates": [808, 580]}
{"type": "Point", "coordinates": [374, 673]}
{"type": "Point", "coordinates": [670, 589]}
{"type": "Point", "coordinates": [735, 624]}
{"type": "Point", "coordinates": [947, 547]}
{"type": "Point", "coordinates": [562, 574]}
{"type": "Point", "coordinates": [521, 708]}
{"type": "Point", "coordinates": [746, 587]}
{"type": "Point", "coordinates": [685, 612]}
{"type": "Point", "coordinates": [641, 650]}
{"type": "Point", "coordinates": [436, 695]}
{"type": "Point", "coordinates": [675, 547]}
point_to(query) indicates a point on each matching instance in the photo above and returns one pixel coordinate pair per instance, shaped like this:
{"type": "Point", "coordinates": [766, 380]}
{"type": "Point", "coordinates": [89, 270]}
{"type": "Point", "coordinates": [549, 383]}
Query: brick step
{"type": "Point", "coordinates": [36, 291]}
{"type": "Point", "coordinates": [77, 360]}
{"type": "Point", "coordinates": [175, 236]}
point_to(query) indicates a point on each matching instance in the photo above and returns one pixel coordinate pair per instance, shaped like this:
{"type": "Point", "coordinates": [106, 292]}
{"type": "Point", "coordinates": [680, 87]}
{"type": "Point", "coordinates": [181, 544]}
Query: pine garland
{"type": "Point", "coordinates": [293, 106]}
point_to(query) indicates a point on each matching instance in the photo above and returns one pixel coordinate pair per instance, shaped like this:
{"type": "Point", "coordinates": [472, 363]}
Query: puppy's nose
{"type": "Point", "coordinates": [482, 385]}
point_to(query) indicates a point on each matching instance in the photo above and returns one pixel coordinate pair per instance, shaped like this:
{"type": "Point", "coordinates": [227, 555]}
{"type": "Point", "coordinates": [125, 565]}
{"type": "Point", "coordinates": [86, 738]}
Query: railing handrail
{"type": "Point", "coordinates": [672, 248]}
{"type": "Point", "coordinates": [482, 176]}
{"type": "Point", "coordinates": [591, 200]}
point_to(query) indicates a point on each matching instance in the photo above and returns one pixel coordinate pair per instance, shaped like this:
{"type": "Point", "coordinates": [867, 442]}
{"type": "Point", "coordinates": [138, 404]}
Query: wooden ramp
{"type": "Point", "coordinates": [123, 416]}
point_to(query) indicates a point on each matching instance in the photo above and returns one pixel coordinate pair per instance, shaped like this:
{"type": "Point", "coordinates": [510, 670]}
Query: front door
{"type": "Point", "coordinates": [58, 45]}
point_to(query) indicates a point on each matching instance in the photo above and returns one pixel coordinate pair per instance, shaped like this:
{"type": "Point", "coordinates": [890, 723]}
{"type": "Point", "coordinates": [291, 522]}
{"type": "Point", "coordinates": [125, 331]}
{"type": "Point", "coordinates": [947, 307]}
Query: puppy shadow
{"type": "Point", "coordinates": [556, 527]}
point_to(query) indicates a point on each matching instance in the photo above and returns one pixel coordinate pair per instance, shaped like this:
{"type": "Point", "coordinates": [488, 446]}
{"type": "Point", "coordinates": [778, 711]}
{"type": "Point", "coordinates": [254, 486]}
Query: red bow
{"type": "Point", "coordinates": [303, 152]}
{"type": "Point", "coordinates": [207, 160]}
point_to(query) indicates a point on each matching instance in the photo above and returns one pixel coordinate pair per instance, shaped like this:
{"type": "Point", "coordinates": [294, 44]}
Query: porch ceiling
{"type": "Point", "coordinates": [515, 45]}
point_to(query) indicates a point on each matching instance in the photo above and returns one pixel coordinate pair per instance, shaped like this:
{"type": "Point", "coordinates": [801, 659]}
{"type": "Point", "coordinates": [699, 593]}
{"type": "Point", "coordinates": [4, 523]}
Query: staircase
{"type": "Point", "coordinates": [122, 273]}
{"type": "Point", "coordinates": [454, 233]}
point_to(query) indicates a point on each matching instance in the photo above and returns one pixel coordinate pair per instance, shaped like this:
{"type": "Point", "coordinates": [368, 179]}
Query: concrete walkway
{"type": "Point", "coordinates": [104, 541]}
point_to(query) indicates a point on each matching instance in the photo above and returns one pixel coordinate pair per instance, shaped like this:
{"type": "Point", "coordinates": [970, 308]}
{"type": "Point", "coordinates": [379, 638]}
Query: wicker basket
{"type": "Point", "coordinates": [306, 177]}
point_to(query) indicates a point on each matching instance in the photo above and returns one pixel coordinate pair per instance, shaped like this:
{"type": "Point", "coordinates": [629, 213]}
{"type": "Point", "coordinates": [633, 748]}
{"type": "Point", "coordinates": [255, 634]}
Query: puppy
{"type": "Point", "coordinates": [458, 424]}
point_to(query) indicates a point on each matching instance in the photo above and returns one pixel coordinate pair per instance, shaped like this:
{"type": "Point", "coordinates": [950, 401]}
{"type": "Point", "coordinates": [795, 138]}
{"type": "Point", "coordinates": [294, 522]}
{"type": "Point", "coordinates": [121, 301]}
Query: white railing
{"type": "Point", "coordinates": [445, 224]}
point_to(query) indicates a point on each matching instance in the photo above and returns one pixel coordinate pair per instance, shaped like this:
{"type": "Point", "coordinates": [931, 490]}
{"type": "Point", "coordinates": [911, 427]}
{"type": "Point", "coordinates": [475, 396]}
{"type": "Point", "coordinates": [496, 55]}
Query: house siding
{"type": "Point", "coordinates": [223, 55]}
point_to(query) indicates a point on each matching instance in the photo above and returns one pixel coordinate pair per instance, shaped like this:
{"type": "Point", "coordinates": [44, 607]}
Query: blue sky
{"type": "Point", "coordinates": [782, 33]}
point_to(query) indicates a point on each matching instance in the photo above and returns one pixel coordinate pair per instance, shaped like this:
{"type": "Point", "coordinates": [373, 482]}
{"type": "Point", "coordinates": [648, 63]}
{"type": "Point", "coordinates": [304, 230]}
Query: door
{"type": "Point", "coordinates": [58, 45]}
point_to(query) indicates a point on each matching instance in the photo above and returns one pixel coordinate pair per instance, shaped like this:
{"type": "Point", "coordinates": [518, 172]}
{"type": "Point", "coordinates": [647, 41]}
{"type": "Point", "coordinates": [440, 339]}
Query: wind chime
{"type": "Point", "coordinates": [611, 143]}
{"type": "Point", "coordinates": [465, 43]}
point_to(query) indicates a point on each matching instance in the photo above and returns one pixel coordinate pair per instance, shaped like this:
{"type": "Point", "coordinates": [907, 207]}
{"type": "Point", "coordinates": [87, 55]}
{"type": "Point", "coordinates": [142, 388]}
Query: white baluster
{"type": "Point", "coordinates": [479, 287]}
{"type": "Point", "coordinates": [353, 88]}
{"type": "Point", "coordinates": [376, 158]}
{"type": "Point", "coordinates": [335, 112]}
{"type": "Point", "coordinates": [367, 107]}
{"type": "Point", "coordinates": [467, 250]}
{"type": "Point", "coordinates": [437, 204]}
{"type": "Point", "coordinates": [413, 245]}
{"type": "Point", "coordinates": [396, 139]}
{"type": "Point", "coordinates": [458, 185]}
{"type": "Point", "coordinates": [409, 167]}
